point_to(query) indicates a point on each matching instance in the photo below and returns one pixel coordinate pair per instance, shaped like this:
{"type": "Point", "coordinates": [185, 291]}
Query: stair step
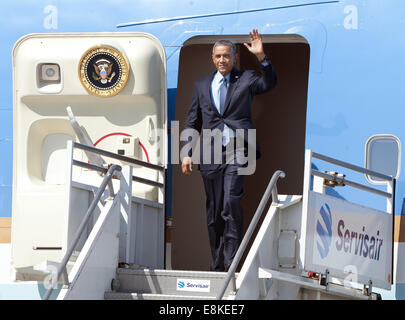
{"type": "Point", "coordinates": [152, 296]}
{"type": "Point", "coordinates": [171, 282]}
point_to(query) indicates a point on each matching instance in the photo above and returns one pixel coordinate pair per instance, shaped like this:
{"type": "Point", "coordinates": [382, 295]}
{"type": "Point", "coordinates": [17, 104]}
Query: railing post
{"type": "Point", "coordinates": [274, 195]}
{"type": "Point", "coordinates": [126, 207]}
{"type": "Point", "coordinates": [233, 284]}
{"type": "Point", "coordinates": [68, 190]}
{"type": "Point", "coordinates": [391, 200]}
{"type": "Point", "coordinates": [65, 277]}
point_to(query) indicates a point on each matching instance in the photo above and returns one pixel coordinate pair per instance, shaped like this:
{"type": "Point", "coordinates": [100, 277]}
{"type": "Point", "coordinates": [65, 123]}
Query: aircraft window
{"type": "Point", "coordinates": [383, 154]}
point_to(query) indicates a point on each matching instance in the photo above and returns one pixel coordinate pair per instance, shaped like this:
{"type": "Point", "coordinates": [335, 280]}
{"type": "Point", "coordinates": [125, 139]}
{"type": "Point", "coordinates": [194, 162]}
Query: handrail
{"type": "Point", "coordinates": [351, 166]}
{"type": "Point", "coordinates": [118, 156]}
{"type": "Point", "coordinates": [271, 189]}
{"type": "Point", "coordinates": [104, 170]}
{"type": "Point", "coordinates": [62, 267]}
{"type": "Point", "coordinates": [390, 181]}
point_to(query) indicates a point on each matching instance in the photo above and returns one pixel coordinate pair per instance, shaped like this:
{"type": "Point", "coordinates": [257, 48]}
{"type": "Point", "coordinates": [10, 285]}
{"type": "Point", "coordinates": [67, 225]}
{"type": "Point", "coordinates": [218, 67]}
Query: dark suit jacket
{"type": "Point", "coordinates": [237, 112]}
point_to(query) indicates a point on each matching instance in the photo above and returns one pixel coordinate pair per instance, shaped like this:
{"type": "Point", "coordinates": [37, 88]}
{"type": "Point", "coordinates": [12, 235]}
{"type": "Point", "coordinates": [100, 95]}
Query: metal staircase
{"type": "Point", "coordinates": [276, 265]}
{"type": "Point", "coordinates": [154, 284]}
{"type": "Point", "coordinates": [150, 284]}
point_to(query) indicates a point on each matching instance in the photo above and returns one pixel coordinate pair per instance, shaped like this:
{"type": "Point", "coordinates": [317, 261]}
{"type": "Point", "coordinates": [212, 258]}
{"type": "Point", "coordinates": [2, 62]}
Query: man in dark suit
{"type": "Point", "coordinates": [221, 108]}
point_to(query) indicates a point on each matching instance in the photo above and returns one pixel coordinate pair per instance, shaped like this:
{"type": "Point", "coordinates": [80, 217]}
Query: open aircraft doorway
{"type": "Point", "coordinates": [279, 117]}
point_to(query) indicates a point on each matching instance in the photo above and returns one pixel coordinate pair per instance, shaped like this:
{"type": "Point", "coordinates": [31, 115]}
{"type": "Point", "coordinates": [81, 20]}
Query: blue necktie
{"type": "Point", "coordinates": [223, 88]}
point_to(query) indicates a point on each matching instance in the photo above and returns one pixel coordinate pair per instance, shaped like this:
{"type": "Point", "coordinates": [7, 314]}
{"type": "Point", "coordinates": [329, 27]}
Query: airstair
{"type": "Point", "coordinates": [295, 254]}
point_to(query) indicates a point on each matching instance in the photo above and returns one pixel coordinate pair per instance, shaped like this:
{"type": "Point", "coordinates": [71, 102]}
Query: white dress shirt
{"type": "Point", "coordinates": [227, 134]}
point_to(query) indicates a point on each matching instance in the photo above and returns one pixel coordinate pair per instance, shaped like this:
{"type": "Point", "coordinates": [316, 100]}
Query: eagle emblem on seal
{"type": "Point", "coordinates": [103, 68]}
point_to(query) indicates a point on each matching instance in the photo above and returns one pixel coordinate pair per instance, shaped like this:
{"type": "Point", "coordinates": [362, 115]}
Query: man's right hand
{"type": "Point", "coordinates": [187, 166]}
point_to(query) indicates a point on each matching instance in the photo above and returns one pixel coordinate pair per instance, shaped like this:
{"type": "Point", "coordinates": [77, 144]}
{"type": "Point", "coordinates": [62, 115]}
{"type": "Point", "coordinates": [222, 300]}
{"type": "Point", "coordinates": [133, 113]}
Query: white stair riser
{"type": "Point", "coordinates": [171, 282]}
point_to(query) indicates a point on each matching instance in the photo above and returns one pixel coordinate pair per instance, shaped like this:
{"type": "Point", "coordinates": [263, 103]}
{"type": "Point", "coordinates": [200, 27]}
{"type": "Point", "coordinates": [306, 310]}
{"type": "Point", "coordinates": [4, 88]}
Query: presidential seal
{"type": "Point", "coordinates": [103, 71]}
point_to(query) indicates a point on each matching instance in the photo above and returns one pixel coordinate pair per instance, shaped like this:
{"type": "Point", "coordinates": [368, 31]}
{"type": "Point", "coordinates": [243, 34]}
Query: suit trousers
{"type": "Point", "coordinates": [224, 190]}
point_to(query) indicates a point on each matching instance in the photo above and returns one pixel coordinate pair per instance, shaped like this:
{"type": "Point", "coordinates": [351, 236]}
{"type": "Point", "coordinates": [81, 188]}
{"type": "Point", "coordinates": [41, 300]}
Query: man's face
{"type": "Point", "coordinates": [223, 59]}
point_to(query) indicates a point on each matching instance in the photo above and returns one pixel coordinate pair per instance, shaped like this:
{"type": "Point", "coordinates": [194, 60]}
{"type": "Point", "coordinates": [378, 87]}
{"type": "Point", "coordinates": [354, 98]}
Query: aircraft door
{"type": "Point", "coordinates": [279, 118]}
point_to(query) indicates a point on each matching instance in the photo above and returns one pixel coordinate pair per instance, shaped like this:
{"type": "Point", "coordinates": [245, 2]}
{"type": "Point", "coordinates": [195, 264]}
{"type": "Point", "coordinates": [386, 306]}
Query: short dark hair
{"type": "Point", "coordinates": [226, 43]}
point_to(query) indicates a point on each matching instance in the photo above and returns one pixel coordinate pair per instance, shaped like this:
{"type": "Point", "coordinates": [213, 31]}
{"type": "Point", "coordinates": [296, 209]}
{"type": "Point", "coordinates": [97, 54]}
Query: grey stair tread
{"type": "Point", "coordinates": [173, 273]}
{"type": "Point", "coordinates": [150, 296]}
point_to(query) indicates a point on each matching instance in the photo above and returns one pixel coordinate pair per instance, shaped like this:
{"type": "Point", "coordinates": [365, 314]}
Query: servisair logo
{"type": "Point", "coordinates": [324, 231]}
{"type": "Point", "coordinates": [197, 285]}
{"type": "Point", "coordinates": [351, 239]}
{"type": "Point", "coordinates": [180, 284]}
{"type": "Point", "coordinates": [103, 71]}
